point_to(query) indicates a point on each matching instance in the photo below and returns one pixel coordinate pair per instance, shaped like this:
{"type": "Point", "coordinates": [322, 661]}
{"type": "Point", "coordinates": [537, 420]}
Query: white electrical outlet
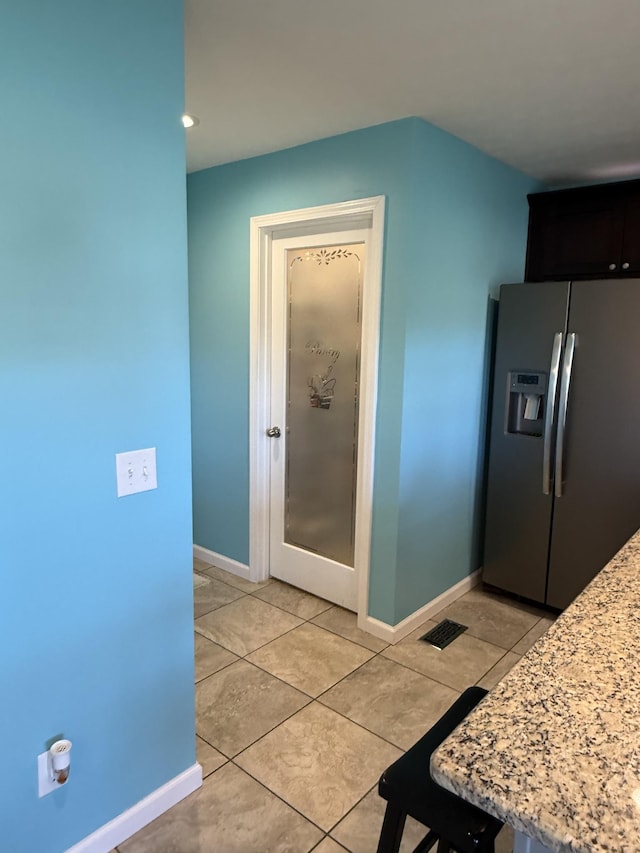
{"type": "Point", "coordinates": [136, 471]}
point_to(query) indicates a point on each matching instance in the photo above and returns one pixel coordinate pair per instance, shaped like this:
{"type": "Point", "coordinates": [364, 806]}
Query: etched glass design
{"type": "Point", "coordinates": [323, 360]}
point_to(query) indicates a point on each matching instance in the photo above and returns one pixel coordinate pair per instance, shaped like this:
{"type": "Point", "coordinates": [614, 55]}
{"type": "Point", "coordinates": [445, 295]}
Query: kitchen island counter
{"type": "Point", "coordinates": [554, 749]}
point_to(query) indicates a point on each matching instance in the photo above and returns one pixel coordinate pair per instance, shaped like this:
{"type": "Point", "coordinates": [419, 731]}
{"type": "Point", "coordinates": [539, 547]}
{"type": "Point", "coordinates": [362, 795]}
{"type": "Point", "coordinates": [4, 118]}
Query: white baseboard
{"type": "Point", "coordinates": [395, 633]}
{"type": "Point", "coordinates": [103, 840]}
{"type": "Point", "coordinates": [226, 563]}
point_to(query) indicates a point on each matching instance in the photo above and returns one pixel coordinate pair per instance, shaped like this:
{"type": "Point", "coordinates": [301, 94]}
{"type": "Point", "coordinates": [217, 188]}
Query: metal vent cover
{"type": "Point", "coordinates": [444, 633]}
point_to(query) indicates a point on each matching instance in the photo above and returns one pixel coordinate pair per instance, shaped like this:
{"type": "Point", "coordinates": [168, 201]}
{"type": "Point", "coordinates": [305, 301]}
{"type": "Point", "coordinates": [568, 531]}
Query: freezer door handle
{"type": "Point", "coordinates": [550, 412]}
{"type": "Point", "coordinates": [567, 365]}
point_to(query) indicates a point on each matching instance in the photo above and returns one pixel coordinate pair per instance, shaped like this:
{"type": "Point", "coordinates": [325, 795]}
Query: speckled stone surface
{"type": "Point", "coordinates": [554, 750]}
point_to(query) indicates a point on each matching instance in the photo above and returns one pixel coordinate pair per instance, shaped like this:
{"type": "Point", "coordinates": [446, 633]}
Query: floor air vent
{"type": "Point", "coordinates": [444, 633]}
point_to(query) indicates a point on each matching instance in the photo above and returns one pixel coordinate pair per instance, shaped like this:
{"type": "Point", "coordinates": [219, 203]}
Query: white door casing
{"type": "Point", "coordinates": [363, 215]}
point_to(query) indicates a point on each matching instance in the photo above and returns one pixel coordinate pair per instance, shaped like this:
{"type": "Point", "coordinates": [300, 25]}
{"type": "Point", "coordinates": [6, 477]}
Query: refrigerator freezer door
{"type": "Point", "coordinates": [518, 512]}
{"type": "Point", "coordinates": [600, 504]}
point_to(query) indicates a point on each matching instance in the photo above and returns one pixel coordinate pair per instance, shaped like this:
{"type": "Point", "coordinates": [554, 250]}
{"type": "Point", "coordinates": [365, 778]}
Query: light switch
{"type": "Point", "coordinates": [136, 471]}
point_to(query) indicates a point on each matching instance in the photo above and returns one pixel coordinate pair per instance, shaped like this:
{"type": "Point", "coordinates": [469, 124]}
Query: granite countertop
{"type": "Point", "coordinates": [554, 749]}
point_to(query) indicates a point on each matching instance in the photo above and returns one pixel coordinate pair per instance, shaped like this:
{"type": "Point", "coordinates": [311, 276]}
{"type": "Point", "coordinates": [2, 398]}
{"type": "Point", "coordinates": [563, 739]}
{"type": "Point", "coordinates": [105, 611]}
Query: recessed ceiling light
{"type": "Point", "coordinates": [189, 120]}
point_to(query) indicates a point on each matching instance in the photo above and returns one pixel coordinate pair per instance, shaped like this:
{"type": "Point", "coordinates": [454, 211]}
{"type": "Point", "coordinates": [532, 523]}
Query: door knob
{"type": "Point", "coordinates": [273, 432]}
{"type": "Point", "coordinates": [625, 266]}
{"type": "Point", "coordinates": [612, 267]}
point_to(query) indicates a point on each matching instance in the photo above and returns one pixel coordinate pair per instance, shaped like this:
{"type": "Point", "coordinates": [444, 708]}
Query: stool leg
{"type": "Point", "coordinates": [392, 829]}
{"type": "Point", "coordinates": [427, 842]}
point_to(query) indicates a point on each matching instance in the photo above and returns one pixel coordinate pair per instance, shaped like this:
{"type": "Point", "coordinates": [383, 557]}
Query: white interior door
{"type": "Point", "coordinates": [315, 379]}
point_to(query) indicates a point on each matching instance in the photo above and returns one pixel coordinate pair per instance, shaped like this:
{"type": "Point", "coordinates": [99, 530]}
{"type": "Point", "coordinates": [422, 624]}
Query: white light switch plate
{"type": "Point", "coordinates": [136, 471]}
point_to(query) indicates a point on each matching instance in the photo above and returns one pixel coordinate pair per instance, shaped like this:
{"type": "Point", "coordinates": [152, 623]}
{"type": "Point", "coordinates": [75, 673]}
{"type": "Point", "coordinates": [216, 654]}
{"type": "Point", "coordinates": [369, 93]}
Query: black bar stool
{"type": "Point", "coordinates": [409, 790]}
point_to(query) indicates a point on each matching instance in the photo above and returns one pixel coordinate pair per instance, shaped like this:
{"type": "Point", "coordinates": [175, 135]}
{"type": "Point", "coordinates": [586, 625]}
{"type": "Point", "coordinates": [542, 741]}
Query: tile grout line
{"type": "Point", "coordinates": [317, 699]}
{"type": "Point", "coordinates": [288, 631]}
{"type": "Point", "coordinates": [355, 642]}
{"type": "Point", "coordinates": [312, 699]}
{"type": "Point", "coordinates": [373, 654]}
{"type": "Point", "coordinates": [273, 793]}
{"type": "Point", "coordinates": [309, 621]}
{"type": "Point", "coordinates": [353, 807]}
{"type": "Point", "coordinates": [270, 790]}
{"type": "Point", "coordinates": [268, 732]}
{"type": "Point", "coordinates": [225, 666]}
{"type": "Point", "coordinates": [254, 594]}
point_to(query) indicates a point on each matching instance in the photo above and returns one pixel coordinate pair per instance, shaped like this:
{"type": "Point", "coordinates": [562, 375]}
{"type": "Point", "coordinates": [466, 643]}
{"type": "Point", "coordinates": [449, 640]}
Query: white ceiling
{"type": "Point", "coordinates": [550, 86]}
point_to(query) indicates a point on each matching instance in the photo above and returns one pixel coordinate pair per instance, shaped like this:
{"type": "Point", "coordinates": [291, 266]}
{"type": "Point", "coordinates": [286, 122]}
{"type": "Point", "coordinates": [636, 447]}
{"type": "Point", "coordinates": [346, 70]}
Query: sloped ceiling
{"type": "Point", "coordinates": [551, 87]}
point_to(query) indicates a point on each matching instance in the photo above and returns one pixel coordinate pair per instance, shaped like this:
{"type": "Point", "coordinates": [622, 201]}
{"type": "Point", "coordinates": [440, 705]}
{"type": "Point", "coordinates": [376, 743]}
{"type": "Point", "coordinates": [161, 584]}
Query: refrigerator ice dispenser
{"type": "Point", "coordinates": [525, 402]}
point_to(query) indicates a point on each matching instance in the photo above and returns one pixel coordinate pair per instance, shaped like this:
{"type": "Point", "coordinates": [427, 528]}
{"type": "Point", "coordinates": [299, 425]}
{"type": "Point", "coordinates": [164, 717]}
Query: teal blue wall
{"type": "Point", "coordinates": [220, 204]}
{"type": "Point", "coordinates": [456, 225]}
{"type": "Point", "coordinates": [96, 636]}
{"type": "Point", "coordinates": [469, 224]}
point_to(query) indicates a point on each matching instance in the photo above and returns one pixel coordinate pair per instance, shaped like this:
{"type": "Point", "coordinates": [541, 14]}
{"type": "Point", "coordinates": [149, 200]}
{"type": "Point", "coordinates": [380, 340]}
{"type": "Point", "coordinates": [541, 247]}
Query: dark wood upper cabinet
{"type": "Point", "coordinates": [631, 238]}
{"type": "Point", "coordinates": [588, 232]}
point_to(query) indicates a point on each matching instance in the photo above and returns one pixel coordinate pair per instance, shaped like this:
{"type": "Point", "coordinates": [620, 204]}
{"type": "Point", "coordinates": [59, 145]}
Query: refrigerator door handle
{"type": "Point", "coordinates": [554, 368]}
{"type": "Point", "coordinates": [562, 409]}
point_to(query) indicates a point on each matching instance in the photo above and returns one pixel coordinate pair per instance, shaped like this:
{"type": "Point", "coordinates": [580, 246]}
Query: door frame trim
{"type": "Point", "coordinates": [366, 213]}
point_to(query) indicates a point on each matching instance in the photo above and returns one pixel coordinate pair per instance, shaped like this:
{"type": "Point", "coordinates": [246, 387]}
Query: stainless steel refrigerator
{"type": "Point", "coordinates": [564, 451]}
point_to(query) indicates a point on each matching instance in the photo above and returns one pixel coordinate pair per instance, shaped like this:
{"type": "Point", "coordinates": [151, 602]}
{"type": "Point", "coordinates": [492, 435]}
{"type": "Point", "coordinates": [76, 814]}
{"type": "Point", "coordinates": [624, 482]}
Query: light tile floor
{"type": "Point", "coordinates": [298, 712]}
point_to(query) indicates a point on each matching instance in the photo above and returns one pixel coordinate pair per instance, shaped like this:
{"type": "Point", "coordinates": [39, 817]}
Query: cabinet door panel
{"type": "Point", "coordinates": [631, 241]}
{"type": "Point", "coordinates": [571, 239]}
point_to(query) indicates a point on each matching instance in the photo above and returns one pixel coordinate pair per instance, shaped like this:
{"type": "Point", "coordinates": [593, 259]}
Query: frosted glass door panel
{"type": "Point", "coordinates": [323, 340]}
